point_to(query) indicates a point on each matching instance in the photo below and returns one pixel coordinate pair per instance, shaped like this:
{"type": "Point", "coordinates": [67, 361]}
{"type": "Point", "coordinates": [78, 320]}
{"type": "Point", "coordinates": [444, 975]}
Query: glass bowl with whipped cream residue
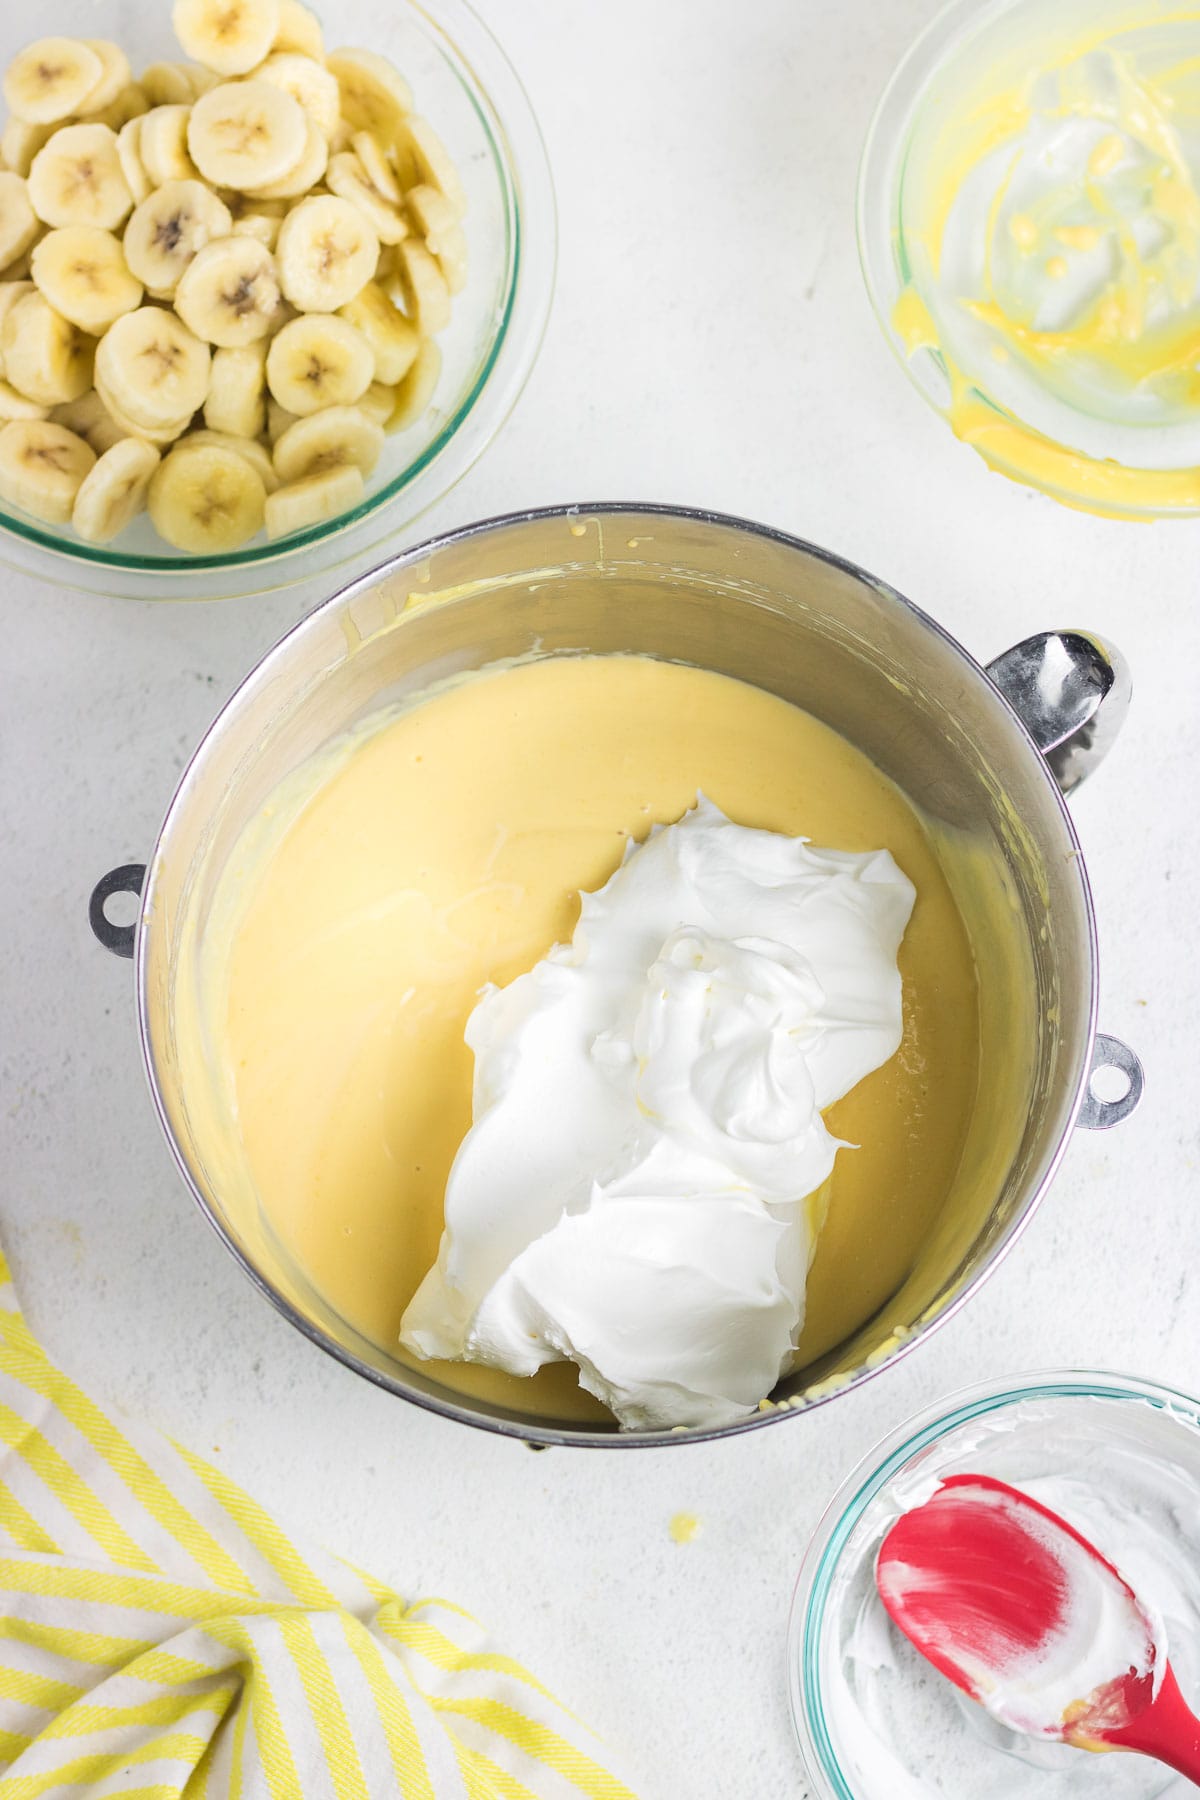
{"type": "Point", "coordinates": [1118, 1458]}
{"type": "Point", "coordinates": [1029, 229]}
{"type": "Point", "coordinates": [464, 85]}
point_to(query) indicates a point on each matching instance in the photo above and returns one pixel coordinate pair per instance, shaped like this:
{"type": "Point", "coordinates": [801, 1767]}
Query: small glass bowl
{"type": "Point", "coordinates": [1018, 1430]}
{"type": "Point", "coordinates": [464, 84]}
{"type": "Point", "coordinates": [1120, 471]}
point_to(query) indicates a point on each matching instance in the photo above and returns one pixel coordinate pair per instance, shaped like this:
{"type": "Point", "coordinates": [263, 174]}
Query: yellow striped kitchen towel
{"type": "Point", "coordinates": [160, 1636]}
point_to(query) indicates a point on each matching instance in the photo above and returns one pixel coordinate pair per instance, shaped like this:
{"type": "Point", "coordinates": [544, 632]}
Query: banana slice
{"type": "Point", "coordinates": [307, 172]}
{"type": "Point", "coordinates": [117, 424]}
{"type": "Point", "coordinates": [246, 134]}
{"type": "Point", "coordinates": [347, 178]}
{"type": "Point", "coordinates": [42, 467]}
{"type": "Point", "coordinates": [433, 161]}
{"type": "Point", "coordinates": [113, 492]}
{"type": "Point", "coordinates": [18, 221]}
{"type": "Point", "coordinates": [326, 253]}
{"type": "Point", "coordinates": [377, 403]}
{"type": "Point", "coordinates": [51, 79]}
{"type": "Point", "coordinates": [236, 391]}
{"type": "Point", "coordinates": [415, 392]}
{"type": "Point", "coordinates": [153, 368]}
{"type": "Point", "coordinates": [45, 357]}
{"type": "Point", "coordinates": [198, 78]}
{"type": "Point", "coordinates": [229, 293]}
{"type": "Point", "coordinates": [10, 293]}
{"type": "Point", "coordinates": [206, 499]}
{"type": "Point", "coordinates": [16, 406]}
{"type": "Point", "coordinates": [230, 36]}
{"type": "Point", "coordinates": [319, 360]}
{"type": "Point", "coordinates": [310, 502]}
{"type": "Point", "coordinates": [80, 416]}
{"type": "Point", "coordinates": [375, 96]}
{"type": "Point", "coordinates": [163, 145]}
{"type": "Point", "coordinates": [256, 454]}
{"type": "Point", "coordinates": [130, 159]}
{"type": "Point", "coordinates": [76, 178]}
{"type": "Point", "coordinates": [20, 143]}
{"type": "Point", "coordinates": [421, 288]}
{"type": "Point", "coordinates": [308, 82]}
{"type": "Point", "coordinates": [166, 84]}
{"type": "Point", "coordinates": [393, 339]}
{"type": "Point", "coordinates": [337, 437]}
{"type": "Point", "coordinates": [115, 75]}
{"type": "Point", "coordinates": [378, 170]}
{"type": "Point", "coordinates": [82, 272]}
{"type": "Point", "coordinates": [169, 228]}
{"type": "Point", "coordinates": [299, 30]}
{"type": "Point", "coordinates": [437, 222]}
{"type": "Point", "coordinates": [106, 432]}
{"type": "Point", "coordinates": [278, 420]}
{"type": "Point", "coordinates": [263, 227]}
{"type": "Point", "coordinates": [130, 103]}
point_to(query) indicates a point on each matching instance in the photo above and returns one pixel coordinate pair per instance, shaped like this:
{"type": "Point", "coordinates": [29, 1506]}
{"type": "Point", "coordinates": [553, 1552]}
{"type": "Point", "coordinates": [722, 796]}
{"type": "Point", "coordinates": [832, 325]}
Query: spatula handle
{"type": "Point", "coordinates": [1168, 1730]}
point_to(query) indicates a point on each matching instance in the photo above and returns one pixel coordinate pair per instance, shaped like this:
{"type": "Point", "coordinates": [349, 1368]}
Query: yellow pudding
{"type": "Point", "coordinates": [1047, 237]}
{"type": "Point", "coordinates": [445, 846]}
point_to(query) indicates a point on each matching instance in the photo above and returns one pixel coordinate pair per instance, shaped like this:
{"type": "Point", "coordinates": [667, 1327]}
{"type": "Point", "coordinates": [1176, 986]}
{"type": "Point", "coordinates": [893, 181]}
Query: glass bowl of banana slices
{"type": "Point", "coordinates": [271, 278]}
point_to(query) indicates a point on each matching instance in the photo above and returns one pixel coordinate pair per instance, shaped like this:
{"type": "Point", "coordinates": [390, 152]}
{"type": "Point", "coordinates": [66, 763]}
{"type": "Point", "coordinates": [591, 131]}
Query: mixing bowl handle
{"type": "Point", "coordinates": [1097, 1113]}
{"type": "Point", "coordinates": [1071, 692]}
{"type": "Point", "coordinates": [128, 879]}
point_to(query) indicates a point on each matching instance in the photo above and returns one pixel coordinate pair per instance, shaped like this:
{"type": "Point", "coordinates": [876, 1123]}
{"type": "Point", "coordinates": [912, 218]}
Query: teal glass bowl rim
{"type": "Point", "coordinates": [97, 556]}
{"type": "Point", "coordinates": [870, 1475]}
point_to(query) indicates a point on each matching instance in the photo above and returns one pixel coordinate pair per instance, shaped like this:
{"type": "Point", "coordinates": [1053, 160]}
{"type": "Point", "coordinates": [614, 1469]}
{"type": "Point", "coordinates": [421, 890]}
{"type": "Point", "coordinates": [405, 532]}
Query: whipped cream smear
{"type": "Point", "coordinates": [639, 1191]}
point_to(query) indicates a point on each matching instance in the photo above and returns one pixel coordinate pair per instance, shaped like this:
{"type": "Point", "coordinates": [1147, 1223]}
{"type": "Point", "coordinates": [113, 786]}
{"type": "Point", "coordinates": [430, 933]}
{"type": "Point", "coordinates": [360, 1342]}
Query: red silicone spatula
{"type": "Point", "coordinates": [1023, 1614]}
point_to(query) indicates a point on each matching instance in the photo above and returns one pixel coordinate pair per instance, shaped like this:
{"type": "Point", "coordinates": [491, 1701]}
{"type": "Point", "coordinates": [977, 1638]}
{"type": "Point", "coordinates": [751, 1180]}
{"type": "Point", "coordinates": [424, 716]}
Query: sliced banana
{"type": "Point", "coordinates": [153, 368]}
{"type": "Point", "coordinates": [198, 78]}
{"type": "Point", "coordinates": [256, 454]}
{"type": "Point", "coordinates": [307, 172]}
{"type": "Point", "coordinates": [166, 84]}
{"type": "Point", "coordinates": [45, 357]}
{"type": "Point", "coordinates": [347, 178]}
{"type": "Point", "coordinates": [83, 273]}
{"type": "Point", "coordinates": [327, 252]}
{"type": "Point", "coordinates": [437, 222]}
{"type": "Point", "coordinates": [51, 79]}
{"type": "Point", "coordinates": [230, 36]}
{"type": "Point", "coordinates": [229, 292]}
{"type": "Point", "coordinates": [299, 30]}
{"type": "Point", "coordinates": [415, 392]}
{"type": "Point", "coordinates": [246, 134]}
{"type": "Point", "coordinates": [422, 288]}
{"type": "Point", "coordinates": [20, 143]}
{"type": "Point", "coordinates": [378, 170]}
{"type": "Point", "coordinates": [117, 424]}
{"type": "Point", "coordinates": [206, 499]}
{"type": "Point", "coordinates": [10, 293]}
{"type": "Point", "coordinates": [130, 103]}
{"type": "Point", "coordinates": [433, 161]}
{"type": "Point", "coordinates": [391, 336]}
{"type": "Point", "coordinates": [169, 228]}
{"type": "Point", "coordinates": [15, 406]}
{"type": "Point", "coordinates": [319, 360]}
{"type": "Point", "coordinates": [375, 96]}
{"type": "Point", "coordinates": [308, 82]}
{"type": "Point", "coordinates": [331, 439]}
{"type": "Point", "coordinates": [76, 178]}
{"type": "Point", "coordinates": [113, 492]}
{"type": "Point", "coordinates": [278, 419]}
{"type": "Point", "coordinates": [237, 390]}
{"type": "Point", "coordinates": [115, 75]}
{"type": "Point", "coordinates": [18, 222]}
{"type": "Point", "coordinates": [81, 415]}
{"type": "Point", "coordinates": [163, 145]}
{"type": "Point", "coordinates": [130, 158]}
{"type": "Point", "coordinates": [16, 271]}
{"type": "Point", "coordinates": [377, 403]}
{"type": "Point", "coordinates": [42, 467]}
{"type": "Point", "coordinates": [264, 227]}
{"type": "Point", "coordinates": [106, 432]}
{"type": "Point", "coordinates": [313, 500]}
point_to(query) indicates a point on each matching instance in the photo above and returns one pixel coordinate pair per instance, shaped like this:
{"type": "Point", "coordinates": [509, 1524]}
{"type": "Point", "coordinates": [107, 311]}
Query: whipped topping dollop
{"type": "Point", "coordinates": [647, 1122]}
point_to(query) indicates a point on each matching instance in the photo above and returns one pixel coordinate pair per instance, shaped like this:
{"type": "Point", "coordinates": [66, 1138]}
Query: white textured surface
{"type": "Point", "coordinates": [711, 345]}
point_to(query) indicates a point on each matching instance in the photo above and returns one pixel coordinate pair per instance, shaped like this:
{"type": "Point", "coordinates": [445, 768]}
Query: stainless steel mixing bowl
{"type": "Point", "coordinates": [986, 755]}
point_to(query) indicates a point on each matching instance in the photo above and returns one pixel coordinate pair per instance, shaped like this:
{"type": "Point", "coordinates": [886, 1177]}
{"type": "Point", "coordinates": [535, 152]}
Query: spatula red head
{"type": "Point", "coordinates": [1019, 1610]}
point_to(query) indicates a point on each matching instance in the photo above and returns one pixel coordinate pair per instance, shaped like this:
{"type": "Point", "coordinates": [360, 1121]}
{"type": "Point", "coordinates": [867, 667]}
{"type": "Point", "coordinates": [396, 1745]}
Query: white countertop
{"type": "Point", "coordinates": [711, 344]}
